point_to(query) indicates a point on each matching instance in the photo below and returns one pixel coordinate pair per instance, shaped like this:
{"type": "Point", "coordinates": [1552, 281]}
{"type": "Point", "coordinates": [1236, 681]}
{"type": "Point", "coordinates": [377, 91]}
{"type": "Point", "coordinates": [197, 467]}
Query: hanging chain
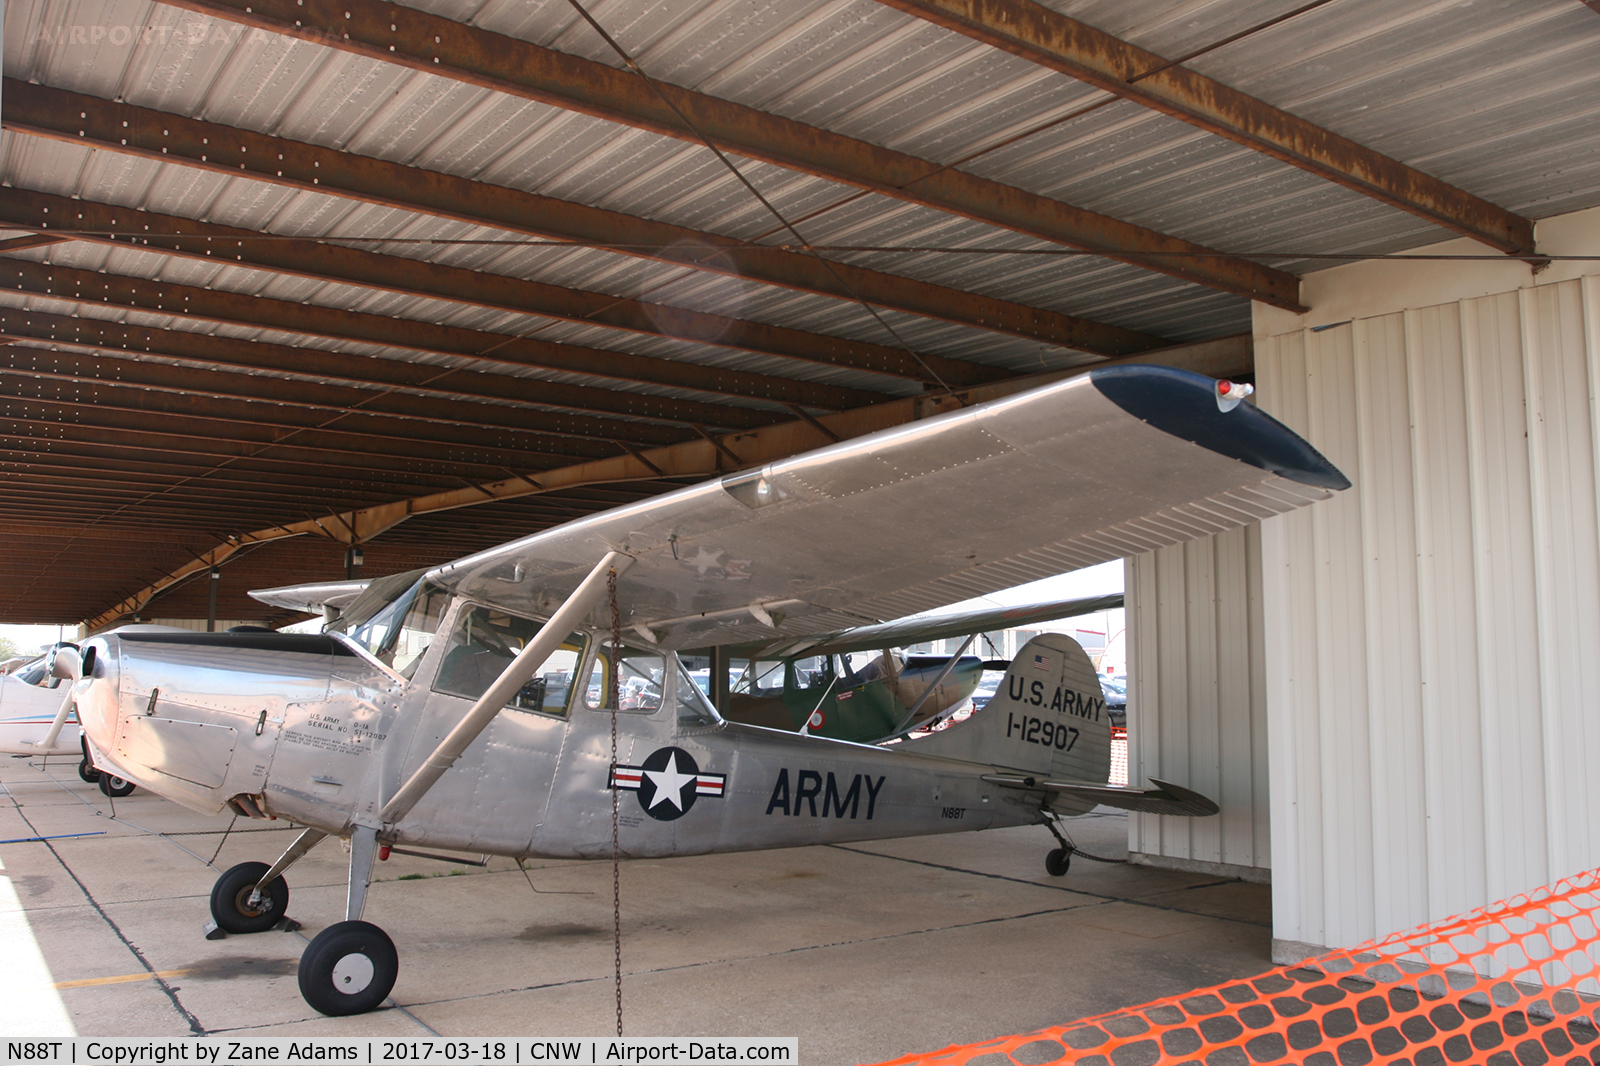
{"type": "Point", "coordinates": [616, 857]}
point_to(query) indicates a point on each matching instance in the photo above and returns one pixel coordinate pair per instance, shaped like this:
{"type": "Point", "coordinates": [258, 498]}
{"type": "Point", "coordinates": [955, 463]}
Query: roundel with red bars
{"type": "Point", "coordinates": [668, 783]}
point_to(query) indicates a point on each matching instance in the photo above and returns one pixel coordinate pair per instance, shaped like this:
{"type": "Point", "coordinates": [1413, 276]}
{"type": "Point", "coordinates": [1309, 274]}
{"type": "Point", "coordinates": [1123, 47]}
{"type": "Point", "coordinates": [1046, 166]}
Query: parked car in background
{"type": "Point", "coordinates": [1116, 693]}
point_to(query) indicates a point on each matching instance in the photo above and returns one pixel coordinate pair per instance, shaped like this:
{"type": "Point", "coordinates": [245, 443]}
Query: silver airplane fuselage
{"type": "Point", "coordinates": [314, 730]}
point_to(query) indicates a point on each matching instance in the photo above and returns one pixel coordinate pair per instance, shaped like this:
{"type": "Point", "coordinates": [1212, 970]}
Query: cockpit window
{"type": "Point", "coordinates": [482, 645]}
{"type": "Point", "coordinates": [397, 630]}
{"type": "Point", "coordinates": [33, 673]}
{"type": "Point", "coordinates": [645, 680]}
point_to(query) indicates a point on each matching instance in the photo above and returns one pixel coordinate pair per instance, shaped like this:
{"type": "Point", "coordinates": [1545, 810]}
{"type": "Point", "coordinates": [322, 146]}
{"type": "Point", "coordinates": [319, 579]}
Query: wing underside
{"type": "Point", "coordinates": [1099, 467]}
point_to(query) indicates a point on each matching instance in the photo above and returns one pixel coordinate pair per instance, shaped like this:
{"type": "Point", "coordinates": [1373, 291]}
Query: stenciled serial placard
{"type": "Point", "coordinates": [368, 1051]}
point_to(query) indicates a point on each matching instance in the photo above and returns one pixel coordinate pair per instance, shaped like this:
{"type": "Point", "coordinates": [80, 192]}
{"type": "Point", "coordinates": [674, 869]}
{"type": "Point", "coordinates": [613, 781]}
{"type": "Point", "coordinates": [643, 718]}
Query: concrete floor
{"type": "Point", "coordinates": [865, 951]}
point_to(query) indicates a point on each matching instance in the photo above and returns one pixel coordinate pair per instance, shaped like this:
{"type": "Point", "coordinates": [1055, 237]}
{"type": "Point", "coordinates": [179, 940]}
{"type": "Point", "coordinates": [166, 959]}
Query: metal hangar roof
{"type": "Point", "coordinates": [279, 276]}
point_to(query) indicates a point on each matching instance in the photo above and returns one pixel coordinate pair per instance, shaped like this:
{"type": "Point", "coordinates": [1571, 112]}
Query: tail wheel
{"type": "Point", "coordinates": [230, 899]}
{"type": "Point", "coordinates": [87, 771]}
{"type": "Point", "coordinates": [1056, 863]}
{"type": "Point", "coordinates": [348, 969]}
{"type": "Point", "coordinates": [115, 786]}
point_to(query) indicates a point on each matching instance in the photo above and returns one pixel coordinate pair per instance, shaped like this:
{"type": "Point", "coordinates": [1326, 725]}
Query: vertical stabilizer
{"type": "Point", "coordinates": [1048, 718]}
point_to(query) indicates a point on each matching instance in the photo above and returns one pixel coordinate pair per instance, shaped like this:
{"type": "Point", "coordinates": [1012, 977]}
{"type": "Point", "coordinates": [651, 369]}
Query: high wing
{"type": "Point", "coordinates": [1113, 463]}
{"type": "Point", "coordinates": [920, 629]}
{"type": "Point", "coordinates": [313, 596]}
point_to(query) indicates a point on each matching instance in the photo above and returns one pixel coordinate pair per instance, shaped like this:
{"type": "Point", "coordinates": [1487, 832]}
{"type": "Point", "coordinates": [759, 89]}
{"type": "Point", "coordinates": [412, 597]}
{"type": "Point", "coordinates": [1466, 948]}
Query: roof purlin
{"type": "Point", "coordinates": [312, 258]}
{"type": "Point", "coordinates": [220, 305]}
{"type": "Point", "coordinates": [1080, 51]}
{"type": "Point", "coordinates": [125, 128]}
{"type": "Point", "coordinates": [392, 33]}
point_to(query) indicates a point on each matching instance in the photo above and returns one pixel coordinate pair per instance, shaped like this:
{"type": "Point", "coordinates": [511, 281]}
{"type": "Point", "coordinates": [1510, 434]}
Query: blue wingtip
{"type": "Point", "coordinates": [1184, 404]}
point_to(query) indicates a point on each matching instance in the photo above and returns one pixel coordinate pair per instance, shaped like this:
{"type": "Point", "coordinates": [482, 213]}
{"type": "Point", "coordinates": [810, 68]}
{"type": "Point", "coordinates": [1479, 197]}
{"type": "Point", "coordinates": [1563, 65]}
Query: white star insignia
{"type": "Point", "coordinates": [669, 783]}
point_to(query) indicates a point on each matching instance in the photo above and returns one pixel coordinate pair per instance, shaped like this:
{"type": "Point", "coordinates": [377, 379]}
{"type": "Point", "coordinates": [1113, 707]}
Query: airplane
{"type": "Point", "coordinates": [451, 709]}
{"type": "Point", "coordinates": [37, 717]}
{"type": "Point", "coordinates": [815, 686]}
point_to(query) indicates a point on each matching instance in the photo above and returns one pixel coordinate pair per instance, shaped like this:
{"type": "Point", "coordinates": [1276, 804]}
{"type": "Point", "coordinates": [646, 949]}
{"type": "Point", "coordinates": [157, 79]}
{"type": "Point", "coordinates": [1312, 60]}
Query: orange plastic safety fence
{"type": "Point", "coordinates": [1512, 984]}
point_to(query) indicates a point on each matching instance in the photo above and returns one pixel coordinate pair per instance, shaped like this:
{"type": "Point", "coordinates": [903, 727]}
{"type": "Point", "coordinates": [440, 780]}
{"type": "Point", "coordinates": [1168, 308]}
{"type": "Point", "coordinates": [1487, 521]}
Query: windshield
{"type": "Point", "coordinates": [396, 622]}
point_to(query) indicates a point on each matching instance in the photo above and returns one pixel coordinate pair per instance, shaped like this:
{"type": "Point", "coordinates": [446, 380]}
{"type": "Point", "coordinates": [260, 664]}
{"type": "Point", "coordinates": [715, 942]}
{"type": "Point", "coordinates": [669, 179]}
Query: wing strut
{"type": "Point", "coordinates": [934, 684]}
{"type": "Point", "coordinates": [562, 623]}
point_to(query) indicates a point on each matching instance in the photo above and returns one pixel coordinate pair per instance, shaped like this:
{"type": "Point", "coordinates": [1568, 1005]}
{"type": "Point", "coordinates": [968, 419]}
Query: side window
{"type": "Point", "coordinates": [482, 645]}
{"type": "Point", "coordinates": [813, 672]}
{"type": "Point", "coordinates": [639, 682]}
{"type": "Point", "coordinates": [758, 678]}
{"type": "Point", "coordinates": [643, 683]}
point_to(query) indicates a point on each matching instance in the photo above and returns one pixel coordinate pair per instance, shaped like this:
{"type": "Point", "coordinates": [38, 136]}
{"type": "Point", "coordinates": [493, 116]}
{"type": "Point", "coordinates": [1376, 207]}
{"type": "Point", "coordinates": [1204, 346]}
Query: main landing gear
{"type": "Point", "coordinates": [348, 968]}
{"type": "Point", "coordinates": [112, 785]}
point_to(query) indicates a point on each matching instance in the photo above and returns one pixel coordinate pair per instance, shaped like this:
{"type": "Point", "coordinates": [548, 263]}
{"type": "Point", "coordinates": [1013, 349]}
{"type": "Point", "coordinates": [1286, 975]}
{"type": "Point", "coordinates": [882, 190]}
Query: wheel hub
{"type": "Point", "coordinates": [352, 974]}
{"type": "Point", "coordinates": [252, 909]}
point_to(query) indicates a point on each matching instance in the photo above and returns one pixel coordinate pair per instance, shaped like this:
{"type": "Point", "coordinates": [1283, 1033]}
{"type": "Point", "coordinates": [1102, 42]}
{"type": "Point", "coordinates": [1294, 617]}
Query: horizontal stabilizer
{"type": "Point", "coordinates": [312, 597]}
{"type": "Point", "coordinates": [1166, 798]}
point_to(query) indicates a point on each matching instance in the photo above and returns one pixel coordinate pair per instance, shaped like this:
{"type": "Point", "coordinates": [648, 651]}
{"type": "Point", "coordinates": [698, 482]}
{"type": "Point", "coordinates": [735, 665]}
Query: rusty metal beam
{"type": "Point", "coordinates": [89, 407]}
{"type": "Point", "coordinates": [29, 241]}
{"type": "Point", "coordinates": [393, 33]}
{"type": "Point", "coordinates": [229, 245]}
{"type": "Point", "coordinates": [99, 495]}
{"type": "Point", "coordinates": [288, 404]}
{"type": "Point", "coordinates": [126, 129]}
{"type": "Point", "coordinates": [701, 458]}
{"type": "Point", "coordinates": [1080, 51]}
{"type": "Point", "coordinates": [26, 453]}
{"type": "Point", "coordinates": [458, 391]}
{"type": "Point", "coordinates": [128, 435]}
{"type": "Point", "coordinates": [490, 349]}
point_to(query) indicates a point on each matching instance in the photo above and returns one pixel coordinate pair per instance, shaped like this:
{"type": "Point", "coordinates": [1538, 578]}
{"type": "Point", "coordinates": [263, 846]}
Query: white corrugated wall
{"type": "Point", "coordinates": [1197, 701]}
{"type": "Point", "coordinates": [1432, 636]}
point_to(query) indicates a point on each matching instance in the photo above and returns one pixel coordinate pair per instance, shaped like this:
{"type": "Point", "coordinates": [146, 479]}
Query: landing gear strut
{"type": "Point", "coordinates": [86, 768]}
{"type": "Point", "coordinates": [350, 967]}
{"type": "Point", "coordinates": [1059, 859]}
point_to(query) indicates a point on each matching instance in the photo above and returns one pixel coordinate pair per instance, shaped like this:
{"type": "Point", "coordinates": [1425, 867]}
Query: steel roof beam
{"type": "Point", "coordinates": [214, 453]}
{"type": "Point", "coordinates": [454, 388]}
{"type": "Point", "coordinates": [127, 129]}
{"type": "Point", "coordinates": [298, 404]}
{"type": "Point", "coordinates": [76, 464]}
{"type": "Point", "coordinates": [94, 407]}
{"type": "Point", "coordinates": [1079, 51]}
{"type": "Point", "coordinates": [439, 46]}
{"type": "Point", "coordinates": [495, 349]}
{"type": "Point", "coordinates": [122, 479]}
{"type": "Point", "coordinates": [323, 261]}
{"type": "Point", "coordinates": [148, 501]}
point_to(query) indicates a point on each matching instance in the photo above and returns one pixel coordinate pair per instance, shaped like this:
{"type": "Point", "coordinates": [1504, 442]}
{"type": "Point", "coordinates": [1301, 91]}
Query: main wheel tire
{"type": "Point", "coordinates": [348, 969]}
{"type": "Point", "coordinates": [87, 771]}
{"type": "Point", "coordinates": [230, 900]}
{"type": "Point", "coordinates": [1056, 863]}
{"type": "Point", "coordinates": [114, 786]}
